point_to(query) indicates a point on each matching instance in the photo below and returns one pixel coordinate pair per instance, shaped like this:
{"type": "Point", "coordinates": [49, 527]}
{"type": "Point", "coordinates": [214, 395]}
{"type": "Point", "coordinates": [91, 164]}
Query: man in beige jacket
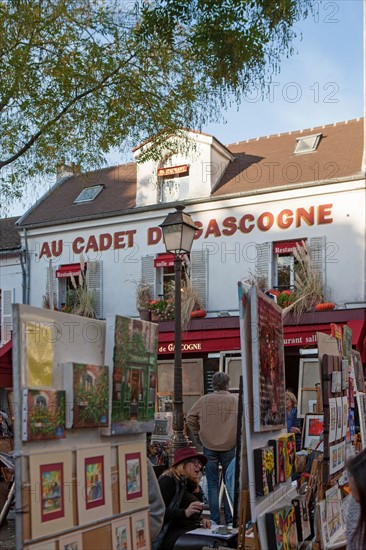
{"type": "Point", "coordinates": [214, 419]}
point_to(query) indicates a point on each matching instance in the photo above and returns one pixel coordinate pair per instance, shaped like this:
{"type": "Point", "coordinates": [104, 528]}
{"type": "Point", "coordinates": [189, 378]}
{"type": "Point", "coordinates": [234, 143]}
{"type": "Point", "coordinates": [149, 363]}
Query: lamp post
{"type": "Point", "coordinates": [178, 234]}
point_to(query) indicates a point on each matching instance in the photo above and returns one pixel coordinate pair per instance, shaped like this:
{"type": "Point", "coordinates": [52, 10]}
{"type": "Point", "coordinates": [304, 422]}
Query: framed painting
{"type": "Point", "coordinates": [94, 484]}
{"type": "Point", "coordinates": [121, 534]}
{"type": "Point", "coordinates": [140, 531]}
{"type": "Point", "coordinates": [51, 493]}
{"type": "Point", "coordinates": [309, 385]}
{"type": "Point", "coordinates": [132, 476]}
{"type": "Point", "coordinates": [72, 541]}
{"type": "Point", "coordinates": [358, 371]}
{"type": "Point", "coordinates": [312, 431]}
{"type": "Point", "coordinates": [268, 363]}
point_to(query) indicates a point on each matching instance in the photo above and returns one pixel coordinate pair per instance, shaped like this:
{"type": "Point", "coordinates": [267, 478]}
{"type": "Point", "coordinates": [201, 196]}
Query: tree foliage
{"type": "Point", "coordinates": [79, 77]}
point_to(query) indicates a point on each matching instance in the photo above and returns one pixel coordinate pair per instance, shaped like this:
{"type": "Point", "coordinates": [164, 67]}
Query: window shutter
{"type": "Point", "coordinates": [317, 256]}
{"type": "Point", "coordinates": [199, 259]}
{"type": "Point", "coordinates": [52, 285]}
{"type": "Point", "coordinates": [94, 273]}
{"type": "Point", "coordinates": [148, 273]}
{"type": "Point", "coordinates": [7, 298]}
{"type": "Point", "coordinates": [264, 263]}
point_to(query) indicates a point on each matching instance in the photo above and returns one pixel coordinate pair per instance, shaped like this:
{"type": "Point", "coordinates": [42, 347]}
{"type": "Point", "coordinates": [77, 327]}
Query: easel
{"type": "Point", "coordinates": [246, 543]}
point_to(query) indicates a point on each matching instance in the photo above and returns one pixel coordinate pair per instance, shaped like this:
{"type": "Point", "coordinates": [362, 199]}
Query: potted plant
{"type": "Point", "coordinates": [162, 309]}
{"type": "Point", "coordinates": [143, 298]}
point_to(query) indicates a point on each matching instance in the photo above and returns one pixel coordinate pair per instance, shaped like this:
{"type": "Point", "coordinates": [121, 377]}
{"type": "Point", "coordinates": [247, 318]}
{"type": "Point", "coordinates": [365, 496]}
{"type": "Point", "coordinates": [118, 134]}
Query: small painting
{"type": "Point", "coordinates": [121, 534]}
{"type": "Point", "coordinates": [51, 493]}
{"type": "Point", "coordinates": [94, 482]}
{"type": "Point", "coordinates": [91, 395]}
{"type": "Point", "coordinates": [43, 414]}
{"type": "Point", "coordinates": [140, 531]}
{"type": "Point", "coordinates": [73, 541]}
{"type": "Point", "coordinates": [133, 475]}
{"type": "Point", "coordinates": [358, 371]}
{"type": "Point", "coordinates": [132, 466]}
{"type": "Point", "coordinates": [93, 469]}
{"type": "Point", "coordinates": [313, 430]}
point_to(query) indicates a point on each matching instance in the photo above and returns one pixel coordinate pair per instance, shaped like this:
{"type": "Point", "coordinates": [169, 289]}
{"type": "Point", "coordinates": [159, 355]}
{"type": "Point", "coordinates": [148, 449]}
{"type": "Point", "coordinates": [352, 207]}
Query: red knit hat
{"type": "Point", "coordinates": [188, 453]}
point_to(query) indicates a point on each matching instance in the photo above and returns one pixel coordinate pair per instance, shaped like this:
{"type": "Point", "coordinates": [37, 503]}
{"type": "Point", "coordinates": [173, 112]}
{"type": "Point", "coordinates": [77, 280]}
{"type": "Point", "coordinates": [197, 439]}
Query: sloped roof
{"type": "Point", "coordinates": [260, 164]}
{"type": "Point", "coordinates": [9, 236]}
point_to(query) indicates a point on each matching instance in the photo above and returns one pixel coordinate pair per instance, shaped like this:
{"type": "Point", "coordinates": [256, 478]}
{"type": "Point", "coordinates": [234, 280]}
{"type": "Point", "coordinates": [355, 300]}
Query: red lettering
{"type": "Point", "coordinates": [45, 251]}
{"type": "Point", "coordinates": [212, 229]}
{"type": "Point", "coordinates": [75, 245]}
{"type": "Point", "coordinates": [91, 244]}
{"type": "Point", "coordinates": [323, 211]}
{"type": "Point", "coordinates": [57, 247]}
{"type": "Point", "coordinates": [105, 241]}
{"type": "Point", "coordinates": [119, 237]}
{"type": "Point", "coordinates": [307, 216]}
{"type": "Point", "coordinates": [199, 230]}
{"type": "Point", "coordinates": [153, 235]}
{"type": "Point", "coordinates": [285, 219]}
{"type": "Point", "coordinates": [265, 221]}
{"type": "Point", "coordinates": [230, 224]}
{"type": "Point", "coordinates": [130, 235]}
{"type": "Point", "coordinates": [243, 228]}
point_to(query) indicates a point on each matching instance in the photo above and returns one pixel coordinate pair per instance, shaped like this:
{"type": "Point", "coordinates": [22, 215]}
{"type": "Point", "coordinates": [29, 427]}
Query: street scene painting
{"type": "Point", "coordinates": [134, 375]}
{"type": "Point", "coordinates": [268, 362]}
{"type": "Point", "coordinates": [133, 475]}
{"type": "Point", "coordinates": [94, 482]}
{"type": "Point", "coordinates": [91, 395]}
{"type": "Point", "coordinates": [121, 534]}
{"type": "Point", "coordinates": [140, 531]}
{"type": "Point", "coordinates": [52, 494]}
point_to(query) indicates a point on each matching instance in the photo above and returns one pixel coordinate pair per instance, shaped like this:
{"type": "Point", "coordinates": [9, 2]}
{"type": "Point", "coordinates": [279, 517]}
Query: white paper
{"type": "Point", "coordinates": [339, 417]}
{"type": "Point", "coordinates": [332, 419]}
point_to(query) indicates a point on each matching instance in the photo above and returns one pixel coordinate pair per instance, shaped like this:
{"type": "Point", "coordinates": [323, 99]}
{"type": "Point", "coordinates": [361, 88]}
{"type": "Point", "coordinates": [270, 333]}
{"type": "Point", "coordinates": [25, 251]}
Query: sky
{"type": "Point", "coordinates": [322, 83]}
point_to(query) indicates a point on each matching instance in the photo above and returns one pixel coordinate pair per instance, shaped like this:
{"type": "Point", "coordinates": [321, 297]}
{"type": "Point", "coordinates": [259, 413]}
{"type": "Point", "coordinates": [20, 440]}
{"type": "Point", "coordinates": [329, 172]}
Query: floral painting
{"type": "Point", "coordinates": [43, 414]}
{"type": "Point", "coordinates": [52, 495]}
{"type": "Point", "coordinates": [133, 475]}
{"type": "Point", "coordinates": [94, 482]}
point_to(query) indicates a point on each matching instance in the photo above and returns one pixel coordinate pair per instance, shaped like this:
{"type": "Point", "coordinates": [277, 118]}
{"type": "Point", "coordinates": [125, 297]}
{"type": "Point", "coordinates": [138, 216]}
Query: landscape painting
{"type": "Point", "coordinates": [91, 395]}
{"type": "Point", "coordinates": [43, 414]}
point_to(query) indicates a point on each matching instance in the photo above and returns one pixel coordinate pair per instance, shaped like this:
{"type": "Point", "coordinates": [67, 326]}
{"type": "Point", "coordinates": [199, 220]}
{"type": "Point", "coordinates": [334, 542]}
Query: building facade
{"type": "Point", "coordinates": [252, 202]}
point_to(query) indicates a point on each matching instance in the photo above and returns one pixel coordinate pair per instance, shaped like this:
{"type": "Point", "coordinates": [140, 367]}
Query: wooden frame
{"type": "Point", "coordinates": [121, 533]}
{"type": "Point", "coordinates": [51, 493]}
{"type": "Point", "coordinates": [309, 388]}
{"type": "Point", "coordinates": [48, 545]}
{"type": "Point", "coordinates": [140, 531]}
{"type": "Point", "coordinates": [94, 484]}
{"type": "Point", "coordinates": [133, 490]}
{"type": "Point", "coordinates": [312, 430]}
{"type": "Point", "coordinates": [72, 541]}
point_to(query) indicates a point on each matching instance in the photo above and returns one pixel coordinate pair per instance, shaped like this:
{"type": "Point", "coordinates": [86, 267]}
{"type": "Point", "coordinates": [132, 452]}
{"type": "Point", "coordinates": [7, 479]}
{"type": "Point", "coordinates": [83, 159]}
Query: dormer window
{"type": "Point", "coordinates": [88, 194]}
{"type": "Point", "coordinates": [307, 144]}
{"type": "Point", "coordinates": [173, 178]}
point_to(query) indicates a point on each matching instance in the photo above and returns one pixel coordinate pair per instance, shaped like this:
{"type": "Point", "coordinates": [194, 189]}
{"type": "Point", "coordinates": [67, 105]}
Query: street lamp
{"type": "Point", "coordinates": [178, 234]}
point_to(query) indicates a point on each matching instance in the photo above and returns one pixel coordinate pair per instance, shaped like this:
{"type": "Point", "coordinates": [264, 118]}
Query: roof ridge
{"type": "Point", "coordinates": [301, 131]}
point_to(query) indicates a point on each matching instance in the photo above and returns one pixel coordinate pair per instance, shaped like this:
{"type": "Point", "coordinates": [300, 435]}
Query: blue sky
{"type": "Point", "coordinates": [320, 84]}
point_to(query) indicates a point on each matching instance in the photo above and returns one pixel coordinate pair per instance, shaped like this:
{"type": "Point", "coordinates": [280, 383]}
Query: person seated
{"type": "Point", "coordinates": [180, 489]}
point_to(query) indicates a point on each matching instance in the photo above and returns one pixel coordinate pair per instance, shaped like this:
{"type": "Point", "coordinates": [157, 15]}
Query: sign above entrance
{"type": "Point", "coordinates": [173, 170]}
{"type": "Point", "coordinates": [286, 247]}
{"type": "Point", "coordinates": [68, 270]}
{"type": "Point", "coordinates": [164, 260]}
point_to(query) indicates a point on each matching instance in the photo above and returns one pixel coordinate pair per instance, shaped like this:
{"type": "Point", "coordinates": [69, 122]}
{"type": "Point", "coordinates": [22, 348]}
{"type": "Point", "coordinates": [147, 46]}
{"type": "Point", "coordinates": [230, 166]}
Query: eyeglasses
{"type": "Point", "coordinates": [196, 463]}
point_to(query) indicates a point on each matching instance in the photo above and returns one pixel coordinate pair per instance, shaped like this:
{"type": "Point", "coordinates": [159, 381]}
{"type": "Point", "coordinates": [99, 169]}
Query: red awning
{"type": "Point", "coordinates": [164, 260]}
{"type": "Point", "coordinates": [68, 270]}
{"type": "Point", "coordinates": [6, 368]}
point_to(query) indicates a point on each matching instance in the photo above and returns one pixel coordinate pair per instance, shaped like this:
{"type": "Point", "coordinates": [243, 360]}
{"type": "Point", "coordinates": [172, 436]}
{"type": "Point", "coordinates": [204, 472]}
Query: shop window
{"type": "Point", "coordinates": [285, 265]}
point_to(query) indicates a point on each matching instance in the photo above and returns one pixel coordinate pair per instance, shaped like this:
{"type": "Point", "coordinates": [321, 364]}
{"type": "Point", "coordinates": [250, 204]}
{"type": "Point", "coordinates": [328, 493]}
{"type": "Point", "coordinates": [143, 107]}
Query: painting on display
{"type": "Point", "coordinates": [131, 353]}
{"type": "Point", "coordinates": [51, 493]}
{"type": "Point", "coordinates": [313, 430]}
{"type": "Point", "coordinates": [121, 534]}
{"type": "Point", "coordinates": [358, 371]}
{"type": "Point", "coordinates": [73, 541]}
{"type": "Point", "coordinates": [140, 531]}
{"type": "Point", "coordinates": [133, 476]}
{"type": "Point", "coordinates": [268, 362]}
{"type": "Point", "coordinates": [93, 484]}
{"type": "Point", "coordinates": [43, 414]}
{"type": "Point", "coordinates": [87, 394]}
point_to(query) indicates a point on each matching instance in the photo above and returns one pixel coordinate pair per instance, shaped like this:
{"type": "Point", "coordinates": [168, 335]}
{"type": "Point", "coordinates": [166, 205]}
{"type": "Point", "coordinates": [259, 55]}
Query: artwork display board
{"type": "Point", "coordinates": [65, 481]}
{"type": "Point", "coordinates": [261, 321]}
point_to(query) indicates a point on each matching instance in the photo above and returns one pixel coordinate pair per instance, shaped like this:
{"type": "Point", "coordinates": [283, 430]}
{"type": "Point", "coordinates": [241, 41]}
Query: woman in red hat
{"type": "Point", "coordinates": [182, 496]}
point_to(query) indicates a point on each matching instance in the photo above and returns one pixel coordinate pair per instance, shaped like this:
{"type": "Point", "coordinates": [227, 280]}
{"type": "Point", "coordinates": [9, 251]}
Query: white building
{"type": "Point", "coordinates": [251, 200]}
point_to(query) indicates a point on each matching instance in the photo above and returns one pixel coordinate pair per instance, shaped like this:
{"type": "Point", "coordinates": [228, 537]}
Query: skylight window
{"type": "Point", "coordinates": [88, 194]}
{"type": "Point", "coordinates": [307, 144]}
